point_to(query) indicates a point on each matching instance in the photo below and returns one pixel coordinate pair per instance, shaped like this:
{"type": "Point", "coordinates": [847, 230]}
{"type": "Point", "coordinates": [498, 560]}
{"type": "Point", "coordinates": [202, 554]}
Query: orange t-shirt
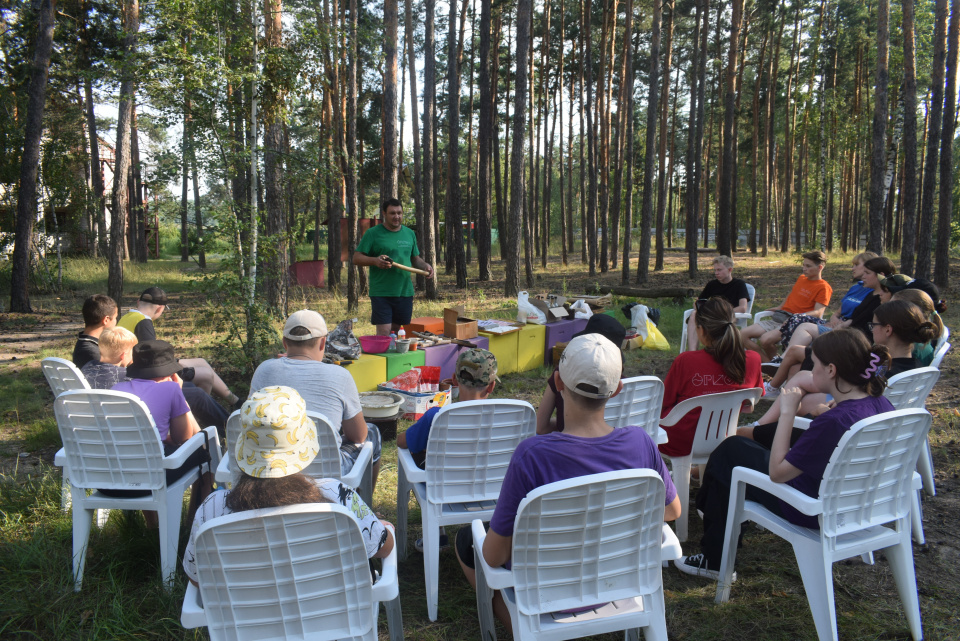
{"type": "Point", "coordinates": [806, 294]}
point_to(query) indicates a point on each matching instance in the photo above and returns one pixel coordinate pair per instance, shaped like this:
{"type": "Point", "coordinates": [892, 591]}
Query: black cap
{"type": "Point", "coordinates": [154, 295]}
{"type": "Point", "coordinates": [607, 326]}
{"type": "Point", "coordinates": [153, 359]}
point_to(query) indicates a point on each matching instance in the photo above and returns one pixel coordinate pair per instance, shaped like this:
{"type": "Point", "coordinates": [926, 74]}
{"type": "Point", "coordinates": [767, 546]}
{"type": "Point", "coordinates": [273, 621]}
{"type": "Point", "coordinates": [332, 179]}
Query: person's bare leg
{"type": "Point", "coordinates": [746, 431]}
{"type": "Point", "coordinates": [499, 607]}
{"type": "Point", "coordinates": [804, 334]}
{"type": "Point", "coordinates": [206, 378]}
{"type": "Point", "coordinates": [792, 357]}
{"type": "Point", "coordinates": [768, 343]}
{"type": "Point", "coordinates": [750, 335]}
{"type": "Point", "coordinates": [384, 330]}
{"type": "Point", "coordinates": [692, 341]}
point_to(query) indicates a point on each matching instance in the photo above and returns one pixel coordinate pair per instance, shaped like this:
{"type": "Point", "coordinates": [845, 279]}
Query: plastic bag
{"type": "Point", "coordinates": [581, 309]}
{"type": "Point", "coordinates": [655, 340]}
{"type": "Point", "coordinates": [639, 320]}
{"type": "Point", "coordinates": [342, 344]}
{"type": "Point", "coordinates": [527, 313]}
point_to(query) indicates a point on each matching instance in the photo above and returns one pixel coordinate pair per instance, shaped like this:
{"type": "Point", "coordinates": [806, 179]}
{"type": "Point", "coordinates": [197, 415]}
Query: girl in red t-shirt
{"type": "Point", "coordinates": [721, 366]}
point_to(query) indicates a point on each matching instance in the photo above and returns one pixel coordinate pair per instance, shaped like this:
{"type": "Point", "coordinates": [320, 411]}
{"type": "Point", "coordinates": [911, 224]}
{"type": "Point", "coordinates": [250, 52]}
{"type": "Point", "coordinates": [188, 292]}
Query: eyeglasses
{"type": "Point", "coordinates": [872, 326]}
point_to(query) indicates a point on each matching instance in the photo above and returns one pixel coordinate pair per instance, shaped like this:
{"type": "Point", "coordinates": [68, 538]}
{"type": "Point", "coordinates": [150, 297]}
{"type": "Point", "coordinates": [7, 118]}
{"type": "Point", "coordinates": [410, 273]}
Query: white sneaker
{"type": "Point", "coordinates": [770, 392]}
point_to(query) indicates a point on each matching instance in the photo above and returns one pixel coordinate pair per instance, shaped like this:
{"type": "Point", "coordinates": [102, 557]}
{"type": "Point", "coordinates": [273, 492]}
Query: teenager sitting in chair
{"type": "Point", "coordinates": [99, 313]}
{"type": "Point", "coordinates": [846, 367]}
{"type": "Point", "coordinates": [929, 302]}
{"type": "Point", "coordinates": [115, 353]}
{"type": "Point", "coordinates": [277, 442]}
{"type": "Point", "coordinates": [724, 285]}
{"type": "Point", "coordinates": [588, 375]}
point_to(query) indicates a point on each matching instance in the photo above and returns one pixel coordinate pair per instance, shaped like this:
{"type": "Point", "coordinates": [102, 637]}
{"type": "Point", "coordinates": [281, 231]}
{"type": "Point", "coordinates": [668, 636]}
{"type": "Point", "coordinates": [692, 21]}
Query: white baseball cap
{"type": "Point", "coordinates": [309, 320]}
{"type": "Point", "coordinates": [591, 366]}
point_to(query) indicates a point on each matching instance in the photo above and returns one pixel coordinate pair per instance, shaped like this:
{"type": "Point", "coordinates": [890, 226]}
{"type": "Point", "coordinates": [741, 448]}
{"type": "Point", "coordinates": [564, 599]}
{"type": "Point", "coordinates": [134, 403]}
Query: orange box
{"type": "Point", "coordinates": [424, 324]}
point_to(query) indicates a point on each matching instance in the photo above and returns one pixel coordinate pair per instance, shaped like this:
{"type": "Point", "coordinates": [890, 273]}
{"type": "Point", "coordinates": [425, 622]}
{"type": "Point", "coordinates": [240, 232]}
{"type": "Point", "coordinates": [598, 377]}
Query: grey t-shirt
{"type": "Point", "coordinates": [327, 389]}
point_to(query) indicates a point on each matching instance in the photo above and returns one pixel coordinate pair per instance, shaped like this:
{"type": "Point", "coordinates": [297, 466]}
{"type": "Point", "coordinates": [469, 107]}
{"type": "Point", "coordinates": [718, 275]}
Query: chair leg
{"type": "Point", "coordinates": [681, 479]}
{"type": "Point", "coordinates": [900, 557]}
{"type": "Point", "coordinates": [656, 629]}
{"type": "Point", "coordinates": [66, 500]}
{"type": "Point", "coordinates": [431, 558]}
{"type": "Point", "coordinates": [488, 628]}
{"type": "Point", "coordinates": [170, 512]}
{"type": "Point", "coordinates": [817, 574]}
{"type": "Point", "coordinates": [731, 537]}
{"type": "Point", "coordinates": [925, 467]}
{"type": "Point", "coordinates": [366, 484]}
{"type": "Point", "coordinates": [82, 521]}
{"type": "Point", "coordinates": [394, 619]}
{"type": "Point", "coordinates": [916, 518]}
{"type": "Point", "coordinates": [403, 500]}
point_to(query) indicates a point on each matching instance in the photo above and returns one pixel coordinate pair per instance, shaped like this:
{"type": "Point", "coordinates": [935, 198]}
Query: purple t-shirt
{"type": "Point", "coordinates": [558, 456]}
{"type": "Point", "coordinates": [164, 400]}
{"type": "Point", "coordinates": [813, 449]}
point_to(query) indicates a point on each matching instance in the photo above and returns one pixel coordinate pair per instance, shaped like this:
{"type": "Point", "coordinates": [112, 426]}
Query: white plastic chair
{"type": "Point", "coordinates": [468, 451]}
{"type": "Point", "coordinates": [110, 442]}
{"type": "Point", "coordinates": [638, 403]}
{"type": "Point", "coordinates": [864, 505]}
{"type": "Point", "coordinates": [596, 539]}
{"type": "Point", "coordinates": [718, 420]}
{"type": "Point", "coordinates": [944, 337]}
{"type": "Point", "coordinates": [293, 572]}
{"type": "Point", "coordinates": [325, 465]}
{"type": "Point", "coordinates": [62, 375]}
{"type": "Point", "coordinates": [743, 319]}
{"type": "Point", "coordinates": [942, 350]}
{"type": "Point", "coordinates": [909, 390]}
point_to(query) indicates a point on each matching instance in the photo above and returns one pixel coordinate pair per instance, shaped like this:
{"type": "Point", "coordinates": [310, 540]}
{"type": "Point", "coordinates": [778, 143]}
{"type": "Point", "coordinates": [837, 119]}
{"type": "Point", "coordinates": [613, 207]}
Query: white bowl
{"type": "Point", "coordinates": [380, 404]}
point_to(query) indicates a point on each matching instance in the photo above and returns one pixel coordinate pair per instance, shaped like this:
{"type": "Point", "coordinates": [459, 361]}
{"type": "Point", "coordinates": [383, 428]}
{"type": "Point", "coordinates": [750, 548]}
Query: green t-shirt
{"type": "Point", "coordinates": [401, 246]}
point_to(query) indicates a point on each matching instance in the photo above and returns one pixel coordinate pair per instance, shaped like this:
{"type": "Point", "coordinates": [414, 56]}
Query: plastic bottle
{"type": "Point", "coordinates": [393, 342]}
{"type": "Point", "coordinates": [402, 335]}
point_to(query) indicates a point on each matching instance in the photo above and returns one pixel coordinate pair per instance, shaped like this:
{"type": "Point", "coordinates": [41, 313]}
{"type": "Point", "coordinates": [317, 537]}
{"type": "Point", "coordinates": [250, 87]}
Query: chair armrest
{"type": "Point", "coordinates": [669, 545]}
{"type": "Point", "coordinates": [797, 499]}
{"type": "Point", "coordinates": [761, 315]}
{"type": "Point", "coordinates": [497, 578]}
{"type": "Point", "coordinates": [679, 410]}
{"type": "Point", "coordinates": [801, 423]}
{"type": "Point", "coordinates": [60, 459]}
{"type": "Point", "coordinates": [414, 474]}
{"type": "Point", "coordinates": [388, 587]}
{"type": "Point", "coordinates": [224, 472]}
{"type": "Point", "coordinates": [364, 459]}
{"type": "Point", "coordinates": [192, 614]}
{"type": "Point", "coordinates": [189, 446]}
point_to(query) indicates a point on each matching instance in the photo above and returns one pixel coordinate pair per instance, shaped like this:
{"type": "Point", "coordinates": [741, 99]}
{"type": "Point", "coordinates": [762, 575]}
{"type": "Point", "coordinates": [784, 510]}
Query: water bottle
{"type": "Point", "coordinates": [393, 342]}
{"type": "Point", "coordinates": [401, 335]}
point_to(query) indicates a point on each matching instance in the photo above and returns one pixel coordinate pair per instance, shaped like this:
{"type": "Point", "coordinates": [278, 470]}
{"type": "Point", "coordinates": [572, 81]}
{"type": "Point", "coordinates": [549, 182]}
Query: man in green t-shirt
{"type": "Point", "coordinates": [382, 246]}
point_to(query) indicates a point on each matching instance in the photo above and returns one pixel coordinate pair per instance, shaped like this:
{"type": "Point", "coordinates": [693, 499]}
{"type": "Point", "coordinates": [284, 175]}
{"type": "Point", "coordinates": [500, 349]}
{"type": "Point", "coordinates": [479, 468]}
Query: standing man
{"type": "Point", "coordinates": [391, 291]}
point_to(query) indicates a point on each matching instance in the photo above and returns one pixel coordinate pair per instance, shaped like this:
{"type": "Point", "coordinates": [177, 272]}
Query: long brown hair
{"type": "Point", "coordinates": [715, 317]}
{"type": "Point", "coordinates": [250, 493]}
{"type": "Point", "coordinates": [919, 298]}
{"type": "Point", "coordinates": [857, 362]}
{"type": "Point", "coordinates": [907, 322]}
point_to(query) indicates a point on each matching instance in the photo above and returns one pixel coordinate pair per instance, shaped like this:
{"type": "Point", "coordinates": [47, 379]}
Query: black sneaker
{"type": "Point", "coordinates": [696, 565]}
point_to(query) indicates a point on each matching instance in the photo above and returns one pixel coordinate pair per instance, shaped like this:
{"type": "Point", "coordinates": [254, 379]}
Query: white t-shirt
{"type": "Point", "coordinates": [374, 534]}
{"type": "Point", "coordinates": [327, 389]}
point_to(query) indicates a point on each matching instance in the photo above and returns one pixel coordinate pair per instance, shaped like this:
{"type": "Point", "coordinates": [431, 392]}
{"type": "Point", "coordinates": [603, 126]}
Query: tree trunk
{"type": "Point", "coordinates": [388, 157]}
{"type": "Point", "coordinates": [414, 122]}
{"type": "Point", "coordinates": [879, 137]}
{"type": "Point", "coordinates": [591, 229]}
{"type": "Point", "coordinates": [140, 237]}
{"type": "Point", "coordinates": [485, 142]}
{"type": "Point", "coordinates": [909, 207]}
{"type": "Point", "coordinates": [696, 94]}
{"type": "Point", "coordinates": [185, 184]}
{"type": "Point", "coordinates": [453, 214]}
{"type": "Point", "coordinates": [350, 154]}
{"type": "Point", "coordinates": [724, 209]}
{"type": "Point", "coordinates": [941, 273]}
{"type": "Point", "coordinates": [30, 160]}
{"type": "Point", "coordinates": [663, 181]}
{"type": "Point", "coordinates": [429, 107]}
{"type": "Point", "coordinates": [274, 89]}
{"type": "Point", "coordinates": [512, 280]}
{"type": "Point", "coordinates": [937, 75]}
{"type": "Point", "coordinates": [646, 206]}
{"type": "Point", "coordinates": [131, 25]}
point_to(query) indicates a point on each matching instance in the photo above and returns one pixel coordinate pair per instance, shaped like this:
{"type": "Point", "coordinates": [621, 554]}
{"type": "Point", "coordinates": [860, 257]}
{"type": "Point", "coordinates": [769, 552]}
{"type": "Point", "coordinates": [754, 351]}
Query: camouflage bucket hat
{"type": "Point", "coordinates": [277, 438]}
{"type": "Point", "coordinates": [476, 368]}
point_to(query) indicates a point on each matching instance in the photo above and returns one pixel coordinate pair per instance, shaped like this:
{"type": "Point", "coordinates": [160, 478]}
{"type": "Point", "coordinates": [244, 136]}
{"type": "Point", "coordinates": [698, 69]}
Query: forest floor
{"type": "Point", "coordinates": [122, 597]}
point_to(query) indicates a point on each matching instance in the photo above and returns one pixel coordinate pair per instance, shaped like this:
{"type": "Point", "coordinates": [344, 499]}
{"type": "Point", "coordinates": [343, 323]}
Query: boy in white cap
{"type": "Point", "coordinates": [327, 389]}
{"type": "Point", "coordinates": [277, 441]}
{"type": "Point", "coordinates": [588, 375]}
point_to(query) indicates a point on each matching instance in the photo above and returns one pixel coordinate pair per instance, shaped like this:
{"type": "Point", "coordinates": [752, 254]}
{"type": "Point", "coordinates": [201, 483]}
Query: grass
{"type": "Point", "coordinates": [122, 596]}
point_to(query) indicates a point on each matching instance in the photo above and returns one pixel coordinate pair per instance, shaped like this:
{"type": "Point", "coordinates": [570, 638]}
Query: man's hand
{"type": "Point", "coordinates": [384, 262]}
{"type": "Point", "coordinates": [429, 269]}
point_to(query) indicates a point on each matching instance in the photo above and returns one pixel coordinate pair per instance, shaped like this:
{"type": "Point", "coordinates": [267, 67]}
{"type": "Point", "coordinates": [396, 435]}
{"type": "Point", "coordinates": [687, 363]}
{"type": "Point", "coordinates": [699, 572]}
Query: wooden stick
{"type": "Point", "coordinates": [412, 270]}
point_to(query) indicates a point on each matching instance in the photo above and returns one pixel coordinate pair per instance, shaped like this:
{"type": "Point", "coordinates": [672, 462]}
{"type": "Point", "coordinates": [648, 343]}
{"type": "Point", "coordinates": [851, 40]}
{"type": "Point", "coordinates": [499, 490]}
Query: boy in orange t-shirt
{"type": "Point", "coordinates": [810, 295]}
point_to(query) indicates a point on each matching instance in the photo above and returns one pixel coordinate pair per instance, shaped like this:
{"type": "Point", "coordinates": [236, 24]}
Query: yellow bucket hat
{"type": "Point", "coordinates": [277, 438]}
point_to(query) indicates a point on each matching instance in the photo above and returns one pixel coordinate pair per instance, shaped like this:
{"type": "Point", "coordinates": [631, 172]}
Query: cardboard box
{"type": "Point", "coordinates": [456, 325]}
{"type": "Point", "coordinates": [557, 351]}
{"type": "Point", "coordinates": [430, 324]}
{"type": "Point", "coordinates": [553, 314]}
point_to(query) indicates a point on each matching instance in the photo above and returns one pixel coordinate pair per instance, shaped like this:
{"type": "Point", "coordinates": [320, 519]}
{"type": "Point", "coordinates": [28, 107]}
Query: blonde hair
{"type": "Point", "coordinates": [115, 341]}
{"type": "Point", "coordinates": [726, 261]}
{"type": "Point", "coordinates": [863, 257]}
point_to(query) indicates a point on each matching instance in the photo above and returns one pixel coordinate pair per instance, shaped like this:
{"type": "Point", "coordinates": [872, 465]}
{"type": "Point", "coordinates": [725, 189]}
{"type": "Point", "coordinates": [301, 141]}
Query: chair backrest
{"type": "Point", "coordinates": [684, 330]}
{"type": "Point", "coordinates": [62, 375]}
{"type": "Point", "coordinates": [327, 462]}
{"type": "Point", "coordinates": [299, 571]}
{"type": "Point", "coordinates": [718, 416]}
{"type": "Point", "coordinates": [910, 389]}
{"type": "Point", "coordinates": [233, 430]}
{"type": "Point", "coordinates": [944, 337]}
{"type": "Point", "coordinates": [939, 354]}
{"type": "Point", "coordinates": [110, 440]}
{"type": "Point", "coordinates": [588, 540]}
{"type": "Point", "coordinates": [470, 446]}
{"type": "Point", "coordinates": [869, 477]}
{"type": "Point", "coordinates": [638, 403]}
{"type": "Point", "coordinates": [752, 293]}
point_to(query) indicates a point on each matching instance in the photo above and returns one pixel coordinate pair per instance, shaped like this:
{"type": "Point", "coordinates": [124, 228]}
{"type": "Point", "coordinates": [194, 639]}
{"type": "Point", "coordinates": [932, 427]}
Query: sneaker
{"type": "Point", "coordinates": [770, 392]}
{"type": "Point", "coordinates": [444, 544]}
{"type": "Point", "coordinates": [770, 369]}
{"type": "Point", "coordinates": [777, 359]}
{"type": "Point", "coordinates": [696, 565]}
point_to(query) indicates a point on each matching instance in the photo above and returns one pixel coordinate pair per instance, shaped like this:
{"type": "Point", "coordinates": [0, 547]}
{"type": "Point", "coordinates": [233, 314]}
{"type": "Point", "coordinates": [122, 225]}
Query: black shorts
{"type": "Point", "coordinates": [464, 544]}
{"type": "Point", "coordinates": [391, 309]}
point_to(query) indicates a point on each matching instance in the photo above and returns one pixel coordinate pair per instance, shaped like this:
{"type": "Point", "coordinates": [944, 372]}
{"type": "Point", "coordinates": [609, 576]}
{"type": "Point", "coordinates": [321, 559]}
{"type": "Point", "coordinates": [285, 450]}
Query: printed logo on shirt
{"type": "Point", "coordinates": [711, 380]}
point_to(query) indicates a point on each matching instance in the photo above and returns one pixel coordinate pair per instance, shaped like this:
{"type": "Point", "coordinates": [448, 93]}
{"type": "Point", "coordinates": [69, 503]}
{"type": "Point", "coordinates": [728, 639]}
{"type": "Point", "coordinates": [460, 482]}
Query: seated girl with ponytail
{"type": "Point", "coordinates": [931, 310]}
{"type": "Point", "coordinates": [844, 366]}
{"type": "Point", "coordinates": [721, 366]}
